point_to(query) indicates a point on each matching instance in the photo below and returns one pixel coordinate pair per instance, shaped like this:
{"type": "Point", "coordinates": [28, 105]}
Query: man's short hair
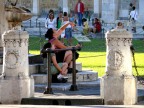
{"type": "Point", "coordinates": [133, 8]}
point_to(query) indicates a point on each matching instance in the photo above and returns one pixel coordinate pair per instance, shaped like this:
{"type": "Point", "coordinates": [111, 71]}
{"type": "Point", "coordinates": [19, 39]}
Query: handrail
{"type": "Point", "coordinates": [48, 51]}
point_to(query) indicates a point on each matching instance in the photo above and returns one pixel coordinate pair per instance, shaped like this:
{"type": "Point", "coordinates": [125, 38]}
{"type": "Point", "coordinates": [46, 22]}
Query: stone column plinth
{"type": "Point", "coordinates": [118, 86]}
{"type": "Point", "coordinates": [3, 24]}
{"type": "Point", "coordinates": [16, 82]}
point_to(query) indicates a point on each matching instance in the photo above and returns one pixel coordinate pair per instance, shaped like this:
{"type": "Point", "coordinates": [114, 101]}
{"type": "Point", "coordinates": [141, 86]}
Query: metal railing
{"type": "Point", "coordinates": [49, 75]}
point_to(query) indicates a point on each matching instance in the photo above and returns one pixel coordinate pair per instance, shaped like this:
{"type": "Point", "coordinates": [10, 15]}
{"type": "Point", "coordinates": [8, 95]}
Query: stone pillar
{"type": "Point", "coordinates": [65, 5]}
{"type": "Point", "coordinates": [36, 7]}
{"type": "Point", "coordinates": [3, 25]}
{"type": "Point", "coordinates": [97, 8]}
{"type": "Point", "coordinates": [118, 86]}
{"type": "Point", "coordinates": [16, 82]}
{"type": "Point", "coordinates": [109, 10]}
{"type": "Point", "coordinates": [141, 12]}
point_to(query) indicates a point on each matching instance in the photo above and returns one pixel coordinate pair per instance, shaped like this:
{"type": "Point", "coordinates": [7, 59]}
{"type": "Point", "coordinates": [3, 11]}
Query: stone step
{"type": "Point", "coordinates": [66, 86]}
{"type": "Point", "coordinates": [68, 100]}
{"type": "Point", "coordinates": [80, 76]}
{"type": "Point", "coordinates": [39, 68]}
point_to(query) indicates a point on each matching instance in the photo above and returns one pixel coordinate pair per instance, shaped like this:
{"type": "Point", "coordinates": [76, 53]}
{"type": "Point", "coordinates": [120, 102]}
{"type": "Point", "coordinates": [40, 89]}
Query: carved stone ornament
{"type": "Point", "coordinates": [115, 59]}
{"type": "Point", "coordinates": [12, 58]}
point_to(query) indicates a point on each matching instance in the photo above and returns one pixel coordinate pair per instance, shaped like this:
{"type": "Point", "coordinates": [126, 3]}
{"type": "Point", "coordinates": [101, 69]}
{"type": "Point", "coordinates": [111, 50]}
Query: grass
{"type": "Point", "coordinates": [93, 54]}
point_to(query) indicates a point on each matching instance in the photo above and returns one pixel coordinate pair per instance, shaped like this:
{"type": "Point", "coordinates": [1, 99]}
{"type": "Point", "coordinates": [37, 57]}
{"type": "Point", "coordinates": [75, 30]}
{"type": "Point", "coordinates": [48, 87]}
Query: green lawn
{"type": "Point", "coordinates": [93, 54]}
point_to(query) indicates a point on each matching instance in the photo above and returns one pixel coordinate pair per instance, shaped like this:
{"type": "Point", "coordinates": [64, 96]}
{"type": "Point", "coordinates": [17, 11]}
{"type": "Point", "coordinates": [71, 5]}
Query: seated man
{"type": "Point", "coordinates": [85, 26]}
{"type": "Point", "coordinates": [96, 26]}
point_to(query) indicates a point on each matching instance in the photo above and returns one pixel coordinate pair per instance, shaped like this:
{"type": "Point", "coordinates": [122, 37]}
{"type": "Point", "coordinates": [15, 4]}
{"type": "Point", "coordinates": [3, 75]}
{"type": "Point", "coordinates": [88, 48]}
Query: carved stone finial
{"type": "Point", "coordinates": [15, 15]}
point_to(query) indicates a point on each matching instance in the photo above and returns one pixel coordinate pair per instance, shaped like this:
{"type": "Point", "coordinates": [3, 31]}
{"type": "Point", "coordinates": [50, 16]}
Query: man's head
{"type": "Point", "coordinates": [96, 19]}
{"type": "Point", "coordinates": [120, 25]}
{"type": "Point", "coordinates": [133, 8]}
{"type": "Point", "coordinates": [131, 5]}
{"type": "Point", "coordinates": [60, 14]}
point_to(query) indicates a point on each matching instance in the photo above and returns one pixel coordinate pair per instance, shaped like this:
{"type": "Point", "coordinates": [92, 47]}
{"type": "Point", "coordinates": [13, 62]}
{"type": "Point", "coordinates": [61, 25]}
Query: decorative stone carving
{"type": "Point", "coordinates": [15, 15]}
{"type": "Point", "coordinates": [11, 59]}
{"type": "Point", "coordinates": [115, 59]}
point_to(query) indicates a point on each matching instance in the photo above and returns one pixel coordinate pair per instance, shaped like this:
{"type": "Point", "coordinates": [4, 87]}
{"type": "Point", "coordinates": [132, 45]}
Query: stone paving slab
{"type": "Point", "coordinates": [80, 76]}
{"type": "Point", "coordinates": [60, 106]}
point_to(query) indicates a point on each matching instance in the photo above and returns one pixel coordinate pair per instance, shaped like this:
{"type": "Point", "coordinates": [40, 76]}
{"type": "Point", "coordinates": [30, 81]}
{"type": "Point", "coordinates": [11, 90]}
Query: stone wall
{"type": "Point", "coordinates": [88, 4]}
{"type": "Point", "coordinates": [124, 7]}
{"type": "Point", "coordinates": [46, 5]}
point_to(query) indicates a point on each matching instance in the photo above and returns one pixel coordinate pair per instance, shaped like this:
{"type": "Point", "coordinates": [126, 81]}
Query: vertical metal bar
{"type": "Point", "coordinates": [36, 21]}
{"type": "Point", "coordinates": [74, 86]}
{"type": "Point", "coordinates": [40, 28]}
{"type": "Point", "coordinates": [102, 32]}
{"type": "Point", "coordinates": [30, 23]}
{"type": "Point", "coordinates": [48, 88]}
{"type": "Point", "coordinates": [40, 35]}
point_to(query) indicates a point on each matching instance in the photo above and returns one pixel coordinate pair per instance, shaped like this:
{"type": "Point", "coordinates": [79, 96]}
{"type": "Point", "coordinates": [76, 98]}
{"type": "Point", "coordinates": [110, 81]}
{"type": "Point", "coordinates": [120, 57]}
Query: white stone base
{"type": "Point", "coordinates": [119, 90]}
{"type": "Point", "coordinates": [12, 90]}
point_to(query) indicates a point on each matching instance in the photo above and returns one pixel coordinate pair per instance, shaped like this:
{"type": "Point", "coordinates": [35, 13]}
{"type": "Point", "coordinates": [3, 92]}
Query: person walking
{"type": "Point", "coordinates": [133, 18]}
{"type": "Point", "coordinates": [79, 9]}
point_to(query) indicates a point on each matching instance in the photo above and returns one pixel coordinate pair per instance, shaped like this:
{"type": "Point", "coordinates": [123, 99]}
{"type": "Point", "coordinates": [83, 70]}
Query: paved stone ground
{"type": "Point", "coordinates": [86, 92]}
{"type": "Point", "coordinates": [89, 106]}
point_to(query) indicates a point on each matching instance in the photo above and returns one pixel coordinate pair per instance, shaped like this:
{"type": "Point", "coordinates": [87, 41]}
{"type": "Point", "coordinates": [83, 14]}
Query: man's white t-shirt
{"type": "Point", "coordinates": [134, 14]}
{"type": "Point", "coordinates": [78, 7]}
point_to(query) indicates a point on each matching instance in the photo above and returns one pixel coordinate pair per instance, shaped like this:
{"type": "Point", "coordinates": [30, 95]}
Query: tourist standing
{"type": "Point", "coordinates": [59, 20]}
{"type": "Point", "coordinates": [68, 30]}
{"type": "Point", "coordinates": [79, 9]}
{"type": "Point", "coordinates": [50, 21]}
{"type": "Point", "coordinates": [133, 18]}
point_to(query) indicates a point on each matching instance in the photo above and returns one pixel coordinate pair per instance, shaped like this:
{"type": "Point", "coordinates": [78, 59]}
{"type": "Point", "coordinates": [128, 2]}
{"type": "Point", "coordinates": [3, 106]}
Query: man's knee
{"type": "Point", "coordinates": [69, 52]}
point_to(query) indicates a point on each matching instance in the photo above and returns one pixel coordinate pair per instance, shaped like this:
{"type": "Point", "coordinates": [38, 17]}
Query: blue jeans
{"type": "Point", "coordinates": [80, 15]}
{"type": "Point", "coordinates": [68, 33]}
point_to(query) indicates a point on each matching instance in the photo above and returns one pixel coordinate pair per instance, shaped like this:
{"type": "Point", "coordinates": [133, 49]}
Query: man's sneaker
{"type": "Point", "coordinates": [60, 76]}
{"type": "Point", "coordinates": [62, 80]}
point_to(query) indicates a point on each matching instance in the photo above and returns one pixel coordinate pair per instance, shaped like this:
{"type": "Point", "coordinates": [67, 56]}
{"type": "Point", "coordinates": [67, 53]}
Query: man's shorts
{"type": "Point", "coordinates": [54, 69]}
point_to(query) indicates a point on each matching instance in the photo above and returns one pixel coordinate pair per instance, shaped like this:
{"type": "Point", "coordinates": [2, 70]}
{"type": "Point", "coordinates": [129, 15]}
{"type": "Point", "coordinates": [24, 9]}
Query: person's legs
{"type": "Point", "coordinates": [67, 35]}
{"type": "Point", "coordinates": [133, 25]}
{"type": "Point", "coordinates": [70, 38]}
{"type": "Point", "coordinates": [70, 68]}
{"type": "Point", "coordinates": [57, 75]}
{"type": "Point", "coordinates": [80, 15]}
{"type": "Point", "coordinates": [68, 57]}
{"type": "Point", "coordinates": [64, 68]}
{"type": "Point", "coordinates": [94, 30]}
